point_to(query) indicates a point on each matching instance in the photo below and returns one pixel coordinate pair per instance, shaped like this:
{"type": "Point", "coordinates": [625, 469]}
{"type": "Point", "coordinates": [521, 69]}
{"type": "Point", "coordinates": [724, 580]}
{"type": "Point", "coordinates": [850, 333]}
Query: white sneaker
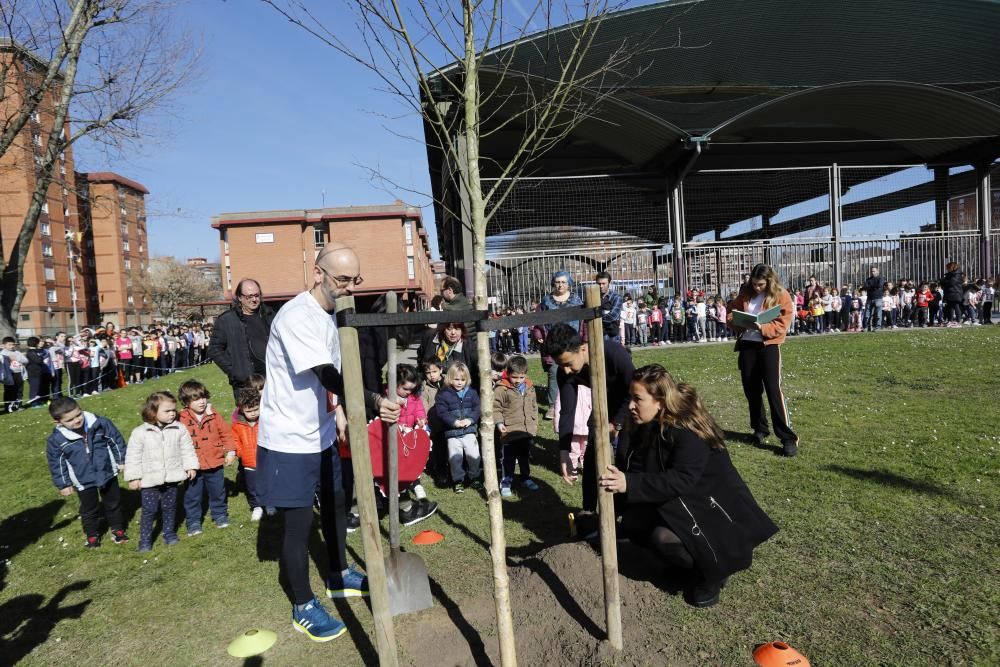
{"type": "Point", "coordinates": [257, 513]}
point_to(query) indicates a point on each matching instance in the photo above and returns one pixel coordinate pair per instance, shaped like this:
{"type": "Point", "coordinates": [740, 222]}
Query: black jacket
{"type": "Point", "coordinates": [468, 355]}
{"type": "Point", "coordinates": [951, 285]}
{"type": "Point", "coordinates": [228, 346]}
{"type": "Point", "coordinates": [697, 493]}
{"type": "Point", "coordinates": [874, 285]}
{"type": "Point", "coordinates": [619, 371]}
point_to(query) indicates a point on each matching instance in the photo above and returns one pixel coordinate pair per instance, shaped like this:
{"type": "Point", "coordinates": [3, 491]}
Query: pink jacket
{"type": "Point", "coordinates": [584, 406]}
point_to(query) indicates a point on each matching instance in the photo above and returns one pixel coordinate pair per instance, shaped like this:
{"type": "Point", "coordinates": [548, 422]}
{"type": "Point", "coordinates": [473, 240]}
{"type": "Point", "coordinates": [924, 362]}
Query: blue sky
{"type": "Point", "coordinates": [276, 119]}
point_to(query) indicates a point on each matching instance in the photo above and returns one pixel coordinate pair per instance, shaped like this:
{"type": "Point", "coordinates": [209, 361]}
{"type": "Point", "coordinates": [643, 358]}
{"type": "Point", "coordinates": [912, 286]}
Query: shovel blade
{"type": "Point", "coordinates": [409, 587]}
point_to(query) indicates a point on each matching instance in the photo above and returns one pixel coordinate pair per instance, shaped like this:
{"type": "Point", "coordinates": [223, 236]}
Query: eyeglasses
{"type": "Point", "coordinates": [342, 280]}
{"type": "Point", "coordinates": [251, 296]}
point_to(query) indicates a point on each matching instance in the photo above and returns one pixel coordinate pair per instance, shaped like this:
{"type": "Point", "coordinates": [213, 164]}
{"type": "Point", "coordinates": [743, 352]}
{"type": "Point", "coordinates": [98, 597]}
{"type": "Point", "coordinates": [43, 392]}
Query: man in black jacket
{"type": "Point", "coordinates": [571, 354]}
{"type": "Point", "coordinates": [874, 288]}
{"type": "Point", "coordinates": [239, 339]}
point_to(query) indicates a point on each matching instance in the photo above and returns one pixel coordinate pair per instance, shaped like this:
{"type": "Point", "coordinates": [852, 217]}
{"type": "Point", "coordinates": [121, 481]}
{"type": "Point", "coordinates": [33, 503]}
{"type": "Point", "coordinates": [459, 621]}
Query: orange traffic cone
{"type": "Point", "coordinates": [778, 654]}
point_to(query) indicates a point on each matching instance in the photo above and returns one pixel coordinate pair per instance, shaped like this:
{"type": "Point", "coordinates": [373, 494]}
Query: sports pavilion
{"type": "Point", "coordinates": [820, 137]}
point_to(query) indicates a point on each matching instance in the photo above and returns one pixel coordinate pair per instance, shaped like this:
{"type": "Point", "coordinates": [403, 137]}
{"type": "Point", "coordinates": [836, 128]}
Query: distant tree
{"type": "Point", "coordinates": [100, 69]}
{"type": "Point", "coordinates": [171, 284]}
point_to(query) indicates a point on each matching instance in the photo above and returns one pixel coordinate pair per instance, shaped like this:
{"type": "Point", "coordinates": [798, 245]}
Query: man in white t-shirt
{"type": "Point", "coordinates": [296, 455]}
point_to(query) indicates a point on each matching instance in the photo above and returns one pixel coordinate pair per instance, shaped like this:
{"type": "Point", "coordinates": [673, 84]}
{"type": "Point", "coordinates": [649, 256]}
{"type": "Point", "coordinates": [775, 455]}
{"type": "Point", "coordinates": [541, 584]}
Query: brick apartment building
{"type": "Point", "coordinates": [99, 218]}
{"type": "Point", "coordinates": [278, 248]}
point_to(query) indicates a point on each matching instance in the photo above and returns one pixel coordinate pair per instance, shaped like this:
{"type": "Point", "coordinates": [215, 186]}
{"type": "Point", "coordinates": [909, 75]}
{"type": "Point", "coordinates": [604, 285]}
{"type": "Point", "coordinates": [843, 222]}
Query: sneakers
{"type": "Point", "coordinates": [760, 439]}
{"type": "Point", "coordinates": [459, 487]}
{"type": "Point", "coordinates": [476, 485]}
{"type": "Point", "coordinates": [789, 448]}
{"type": "Point", "coordinates": [550, 414]}
{"type": "Point", "coordinates": [119, 536]}
{"type": "Point", "coordinates": [194, 531]}
{"type": "Point", "coordinates": [145, 547]}
{"type": "Point", "coordinates": [419, 510]}
{"type": "Point", "coordinates": [315, 622]}
{"type": "Point", "coordinates": [222, 524]}
{"type": "Point", "coordinates": [350, 585]}
{"type": "Point", "coordinates": [93, 541]}
{"type": "Point", "coordinates": [529, 484]}
{"type": "Point", "coordinates": [354, 522]}
{"type": "Point", "coordinates": [505, 492]}
{"type": "Point", "coordinates": [257, 513]}
{"type": "Point", "coordinates": [171, 540]}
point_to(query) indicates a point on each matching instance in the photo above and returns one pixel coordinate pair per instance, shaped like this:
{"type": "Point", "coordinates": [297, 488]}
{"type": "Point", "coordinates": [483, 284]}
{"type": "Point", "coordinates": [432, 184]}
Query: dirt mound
{"type": "Point", "coordinates": [558, 601]}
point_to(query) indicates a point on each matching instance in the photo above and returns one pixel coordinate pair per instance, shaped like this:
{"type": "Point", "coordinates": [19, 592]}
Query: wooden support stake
{"type": "Point", "coordinates": [354, 403]}
{"type": "Point", "coordinates": [602, 443]}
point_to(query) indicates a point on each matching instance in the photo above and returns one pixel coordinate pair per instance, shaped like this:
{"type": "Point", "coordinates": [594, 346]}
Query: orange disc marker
{"type": "Point", "coordinates": [778, 654]}
{"type": "Point", "coordinates": [427, 537]}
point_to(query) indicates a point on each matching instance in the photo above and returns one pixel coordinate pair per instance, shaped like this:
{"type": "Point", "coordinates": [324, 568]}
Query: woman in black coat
{"type": "Point", "coordinates": [680, 494]}
{"type": "Point", "coordinates": [953, 286]}
{"type": "Point", "coordinates": [451, 342]}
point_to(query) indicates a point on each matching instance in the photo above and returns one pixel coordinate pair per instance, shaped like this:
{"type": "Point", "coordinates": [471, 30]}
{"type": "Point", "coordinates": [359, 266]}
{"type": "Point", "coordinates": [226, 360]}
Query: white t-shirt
{"type": "Point", "coordinates": [295, 416]}
{"type": "Point", "coordinates": [753, 308]}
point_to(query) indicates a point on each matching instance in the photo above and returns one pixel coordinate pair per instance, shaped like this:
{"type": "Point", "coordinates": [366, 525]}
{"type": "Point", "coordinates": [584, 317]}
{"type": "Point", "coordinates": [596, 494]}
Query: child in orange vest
{"type": "Point", "coordinates": [245, 434]}
{"type": "Point", "coordinates": [214, 444]}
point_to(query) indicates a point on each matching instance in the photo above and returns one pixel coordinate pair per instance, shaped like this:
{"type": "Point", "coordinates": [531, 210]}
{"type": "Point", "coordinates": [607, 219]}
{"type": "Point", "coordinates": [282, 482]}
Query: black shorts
{"type": "Point", "coordinates": [291, 480]}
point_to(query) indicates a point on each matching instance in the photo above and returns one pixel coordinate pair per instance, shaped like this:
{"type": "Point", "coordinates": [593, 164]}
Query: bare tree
{"type": "Point", "coordinates": [173, 286]}
{"type": "Point", "coordinates": [115, 66]}
{"type": "Point", "coordinates": [443, 61]}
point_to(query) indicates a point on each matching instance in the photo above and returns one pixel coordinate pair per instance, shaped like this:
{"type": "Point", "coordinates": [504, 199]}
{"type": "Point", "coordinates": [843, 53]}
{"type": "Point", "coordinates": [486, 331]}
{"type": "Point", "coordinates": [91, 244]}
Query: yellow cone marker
{"type": "Point", "coordinates": [251, 643]}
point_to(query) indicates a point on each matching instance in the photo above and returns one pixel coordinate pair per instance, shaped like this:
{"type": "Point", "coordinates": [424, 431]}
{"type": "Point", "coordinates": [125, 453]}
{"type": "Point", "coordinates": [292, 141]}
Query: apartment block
{"type": "Point", "coordinates": [278, 248]}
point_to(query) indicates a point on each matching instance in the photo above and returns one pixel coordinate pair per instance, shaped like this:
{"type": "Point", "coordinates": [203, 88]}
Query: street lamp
{"type": "Point", "coordinates": [72, 279]}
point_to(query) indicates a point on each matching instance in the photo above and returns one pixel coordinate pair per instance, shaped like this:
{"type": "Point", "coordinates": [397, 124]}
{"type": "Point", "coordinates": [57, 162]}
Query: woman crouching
{"type": "Point", "coordinates": [680, 494]}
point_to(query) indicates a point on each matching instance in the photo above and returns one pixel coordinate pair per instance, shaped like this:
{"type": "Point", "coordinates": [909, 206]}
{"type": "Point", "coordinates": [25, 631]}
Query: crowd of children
{"type": "Point", "coordinates": [95, 361]}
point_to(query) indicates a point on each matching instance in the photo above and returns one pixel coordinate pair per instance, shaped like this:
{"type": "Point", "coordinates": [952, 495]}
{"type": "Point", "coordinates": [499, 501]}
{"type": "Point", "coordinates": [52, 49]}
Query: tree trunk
{"type": "Point", "coordinates": [498, 541]}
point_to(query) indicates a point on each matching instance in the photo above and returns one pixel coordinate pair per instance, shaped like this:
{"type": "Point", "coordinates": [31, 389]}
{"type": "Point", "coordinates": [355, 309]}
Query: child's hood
{"type": "Point", "coordinates": [238, 418]}
{"type": "Point", "coordinates": [505, 382]}
{"type": "Point", "coordinates": [89, 418]}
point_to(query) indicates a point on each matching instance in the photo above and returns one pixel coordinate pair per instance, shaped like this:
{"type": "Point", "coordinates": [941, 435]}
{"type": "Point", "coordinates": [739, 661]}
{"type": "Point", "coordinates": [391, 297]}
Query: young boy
{"type": "Point", "coordinates": [14, 362]}
{"type": "Point", "coordinates": [245, 435]}
{"type": "Point", "coordinates": [39, 372]}
{"type": "Point", "coordinates": [437, 464]}
{"type": "Point", "coordinates": [213, 442]}
{"type": "Point", "coordinates": [85, 454]}
{"type": "Point", "coordinates": [516, 411]}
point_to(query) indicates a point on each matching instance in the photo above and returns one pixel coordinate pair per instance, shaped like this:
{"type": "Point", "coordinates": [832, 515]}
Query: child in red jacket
{"type": "Point", "coordinates": [214, 444]}
{"type": "Point", "coordinates": [245, 435]}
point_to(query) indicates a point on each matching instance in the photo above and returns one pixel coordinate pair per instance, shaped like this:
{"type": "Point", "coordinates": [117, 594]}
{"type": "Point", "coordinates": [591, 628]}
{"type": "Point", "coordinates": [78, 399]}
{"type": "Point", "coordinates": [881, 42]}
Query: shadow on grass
{"type": "Point", "coordinates": [564, 596]}
{"type": "Point", "coordinates": [23, 529]}
{"type": "Point", "coordinates": [893, 480]}
{"type": "Point", "coordinates": [471, 635]}
{"type": "Point", "coordinates": [17, 641]}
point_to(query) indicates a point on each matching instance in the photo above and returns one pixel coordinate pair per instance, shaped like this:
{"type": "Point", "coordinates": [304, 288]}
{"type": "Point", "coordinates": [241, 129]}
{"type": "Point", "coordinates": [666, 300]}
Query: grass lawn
{"type": "Point", "coordinates": [888, 552]}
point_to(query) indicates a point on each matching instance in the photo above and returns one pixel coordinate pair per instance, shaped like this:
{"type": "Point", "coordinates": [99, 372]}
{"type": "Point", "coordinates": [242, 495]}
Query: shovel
{"type": "Point", "coordinates": [406, 574]}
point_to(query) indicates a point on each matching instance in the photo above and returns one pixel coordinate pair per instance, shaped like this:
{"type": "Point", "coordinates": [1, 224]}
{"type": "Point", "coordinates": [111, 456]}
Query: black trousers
{"type": "Point", "coordinates": [760, 371]}
{"type": "Point", "coordinates": [73, 369]}
{"type": "Point", "coordinates": [96, 498]}
{"type": "Point", "coordinates": [12, 392]}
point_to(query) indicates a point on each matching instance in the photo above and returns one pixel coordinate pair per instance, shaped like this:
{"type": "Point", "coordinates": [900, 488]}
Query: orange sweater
{"type": "Point", "coordinates": [212, 437]}
{"type": "Point", "coordinates": [246, 441]}
{"type": "Point", "coordinates": [773, 332]}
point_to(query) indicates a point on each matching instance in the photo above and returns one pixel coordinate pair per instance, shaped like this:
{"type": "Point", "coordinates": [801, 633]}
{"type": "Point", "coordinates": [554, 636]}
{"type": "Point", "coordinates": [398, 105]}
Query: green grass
{"type": "Point", "coordinates": [888, 551]}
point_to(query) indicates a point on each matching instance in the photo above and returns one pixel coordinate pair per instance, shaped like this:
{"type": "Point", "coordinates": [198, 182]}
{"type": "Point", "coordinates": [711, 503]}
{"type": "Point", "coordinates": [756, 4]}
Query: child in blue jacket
{"type": "Point", "coordinates": [85, 454]}
{"type": "Point", "coordinates": [457, 406]}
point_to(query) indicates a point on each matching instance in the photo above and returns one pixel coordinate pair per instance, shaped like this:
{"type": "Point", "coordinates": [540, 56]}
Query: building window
{"type": "Point", "coordinates": [124, 229]}
{"type": "Point", "coordinates": [142, 248]}
{"type": "Point", "coordinates": [50, 273]}
{"type": "Point", "coordinates": [62, 170]}
{"type": "Point", "coordinates": [25, 317]}
{"type": "Point", "coordinates": [131, 301]}
{"type": "Point", "coordinates": [35, 117]}
{"type": "Point", "coordinates": [45, 229]}
{"type": "Point", "coordinates": [125, 245]}
{"type": "Point", "coordinates": [409, 232]}
{"type": "Point", "coordinates": [319, 236]}
{"type": "Point", "coordinates": [46, 250]}
{"type": "Point", "coordinates": [50, 296]}
{"type": "Point", "coordinates": [124, 212]}
{"type": "Point", "coordinates": [45, 208]}
{"type": "Point", "coordinates": [36, 139]}
{"type": "Point", "coordinates": [91, 263]}
{"type": "Point", "coordinates": [65, 212]}
{"type": "Point", "coordinates": [410, 273]}
{"type": "Point", "coordinates": [128, 264]}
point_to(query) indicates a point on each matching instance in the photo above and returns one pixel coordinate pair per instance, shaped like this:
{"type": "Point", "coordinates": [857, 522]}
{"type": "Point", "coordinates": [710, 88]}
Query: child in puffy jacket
{"type": "Point", "coordinates": [213, 442]}
{"type": "Point", "coordinates": [457, 406]}
{"type": "Point", "coordinates": [160, 456]}
{"type": "Point", "coordinates": [85, 453]}
{"type": "Point", "coordinates": [245, 434]}
{"type": "Point", "coordinates": [516, 410]}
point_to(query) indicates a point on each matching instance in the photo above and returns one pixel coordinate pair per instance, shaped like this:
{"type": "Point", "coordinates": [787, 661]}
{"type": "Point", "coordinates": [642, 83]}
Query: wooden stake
{"type": "Point", "coordinates": [354, 403]}
{"type": "Point", "coordinates": [602, 443]}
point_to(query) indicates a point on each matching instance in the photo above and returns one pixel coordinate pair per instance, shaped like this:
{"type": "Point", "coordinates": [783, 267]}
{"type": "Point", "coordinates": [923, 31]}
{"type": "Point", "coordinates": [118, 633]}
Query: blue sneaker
{"type": "Point", "coordinates": [316, 623]}
{"type": "Point", "coordinates": [352, 585]}
{"type": "Point", "coordinates": [529, 484]}
{"type": "Point", "coordinates": [506, 492]}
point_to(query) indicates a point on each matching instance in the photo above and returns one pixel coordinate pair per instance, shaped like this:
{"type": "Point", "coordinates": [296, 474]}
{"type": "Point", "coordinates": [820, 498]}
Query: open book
{"type": "Point", "coordinates": [746, 320]}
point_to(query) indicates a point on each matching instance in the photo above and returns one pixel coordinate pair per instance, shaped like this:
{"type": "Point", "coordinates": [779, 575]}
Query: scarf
{"type": "Point", "coordinates": [443, 350]}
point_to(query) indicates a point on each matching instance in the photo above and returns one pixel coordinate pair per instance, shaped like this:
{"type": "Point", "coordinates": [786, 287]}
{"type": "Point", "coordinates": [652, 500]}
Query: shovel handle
{"type": "Point", "coordinates": [392, 442]}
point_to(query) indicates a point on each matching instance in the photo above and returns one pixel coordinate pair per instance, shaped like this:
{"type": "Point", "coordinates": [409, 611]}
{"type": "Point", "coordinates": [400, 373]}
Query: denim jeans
{"type": "Point", "coordinates": [214, 481]}
{"type": "Point", "coordinates": [873, 313]}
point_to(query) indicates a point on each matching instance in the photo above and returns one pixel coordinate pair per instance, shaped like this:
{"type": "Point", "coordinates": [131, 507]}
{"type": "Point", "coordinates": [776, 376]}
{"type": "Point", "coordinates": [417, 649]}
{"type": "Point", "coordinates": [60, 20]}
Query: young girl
{"type": "Point", "coordinates": [160, 454]}
{"type": "Point", "coordinates": [458, 407]}
{"type": "Point", "coordinates": [682, 496]}
{"type": "Point", "coordinates": [721, 330]}
{"type": "Point", "coordinates": [581, 429]}
{"type": "Point", "coordinates": [816, 310]}
{"type": "Point", "coordinates": [433, 381]}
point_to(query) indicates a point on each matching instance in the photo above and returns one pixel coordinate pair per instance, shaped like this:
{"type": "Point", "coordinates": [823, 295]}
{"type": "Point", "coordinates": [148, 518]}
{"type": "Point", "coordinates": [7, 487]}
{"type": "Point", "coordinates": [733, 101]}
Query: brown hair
{"type": "Point", "coordinates": [951, 266]}
{"type": "Point", "coordinates": [152, 405]}
{"type": "Point", "coordinates": [192, 390]}
{"type": "Point", "coordinates": [256, 381]}
{"type": "Point", "coordinates": [681, 405]}
{"type": "Point", "coordinates": [247, 397]}
{"type": "Point", "coordinates": [774, 287]}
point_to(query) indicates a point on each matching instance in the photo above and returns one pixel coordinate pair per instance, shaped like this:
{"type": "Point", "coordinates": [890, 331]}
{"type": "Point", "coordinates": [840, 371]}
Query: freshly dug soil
{"type": "Point", "coordinates": [558, 602]}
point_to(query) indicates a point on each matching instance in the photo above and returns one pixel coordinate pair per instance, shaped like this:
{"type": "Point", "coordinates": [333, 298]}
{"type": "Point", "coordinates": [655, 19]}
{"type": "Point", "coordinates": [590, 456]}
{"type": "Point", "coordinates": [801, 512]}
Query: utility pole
{"type": "Point", "coordinates": [72, 280]}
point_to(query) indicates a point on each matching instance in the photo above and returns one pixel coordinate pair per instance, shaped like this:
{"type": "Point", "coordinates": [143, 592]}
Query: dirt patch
{"type": "Point", "coordinates": [558, 602]}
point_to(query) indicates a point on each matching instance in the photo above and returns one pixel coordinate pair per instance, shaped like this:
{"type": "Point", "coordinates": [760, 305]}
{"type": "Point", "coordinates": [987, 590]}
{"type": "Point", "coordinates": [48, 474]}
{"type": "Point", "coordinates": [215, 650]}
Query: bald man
{"type": "Point", "coordinates": [296, 455]}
